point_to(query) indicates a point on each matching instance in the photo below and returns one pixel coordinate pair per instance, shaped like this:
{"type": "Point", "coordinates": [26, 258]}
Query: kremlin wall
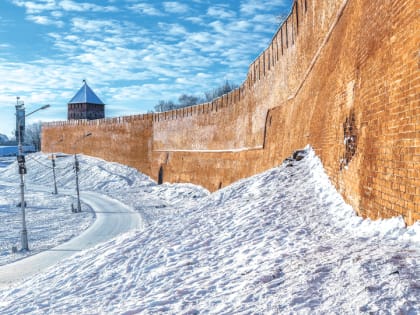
{"type": "Point", "coordinates": [340, 75]}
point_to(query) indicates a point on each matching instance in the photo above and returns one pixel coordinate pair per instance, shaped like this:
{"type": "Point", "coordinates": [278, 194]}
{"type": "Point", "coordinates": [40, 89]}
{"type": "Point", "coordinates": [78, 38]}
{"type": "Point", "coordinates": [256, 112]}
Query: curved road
{"type": "Point", "coordinates": [112, 219]}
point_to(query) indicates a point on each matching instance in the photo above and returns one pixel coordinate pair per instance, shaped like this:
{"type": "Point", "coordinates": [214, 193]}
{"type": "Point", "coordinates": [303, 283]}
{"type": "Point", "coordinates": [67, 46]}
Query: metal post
{"type": "Point", "coordinates": [76, 167]}
{"type": "Point", "coordinates": [53, 167]}
{"type": "Point", "coordinates": [53, 156]}
{"type": "Point", "coordinates": [20, 117]}
{"type": "Point", "coordinates": [24, 233]}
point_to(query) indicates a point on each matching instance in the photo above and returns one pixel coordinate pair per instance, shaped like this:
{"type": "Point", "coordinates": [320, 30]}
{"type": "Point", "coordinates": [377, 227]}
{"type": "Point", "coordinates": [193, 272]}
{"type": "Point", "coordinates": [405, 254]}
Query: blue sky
{"type": "Point", "coordinates": [132, 53]}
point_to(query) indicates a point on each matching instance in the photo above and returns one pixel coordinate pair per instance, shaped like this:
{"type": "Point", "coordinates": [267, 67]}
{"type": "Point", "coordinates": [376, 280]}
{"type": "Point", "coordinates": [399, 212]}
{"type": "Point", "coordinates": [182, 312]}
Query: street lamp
{"type": "Point", "coordinates": [22, 168]}
{"type": "Point", "coordinates": [77, 168]}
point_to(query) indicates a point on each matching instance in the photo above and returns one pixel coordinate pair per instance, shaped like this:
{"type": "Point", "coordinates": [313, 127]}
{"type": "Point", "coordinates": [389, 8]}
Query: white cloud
{"type": "Point", "coordinates": [218, 27]}
{"type": "Point", "coordinates": [57, 14]}
{"type": "Point", "coordinates": [239, 26]}
{"type": "Point", "coordinates": [203, 76]}
{"type": "Point", "coordinates": [195, 19]}
{"type": "Point", "coordinates": [175, 7]}
{"type": "Point", "coordinates": [36, 7]}
{"type": "Point", "coordinates": [44, 20]}
{"type": "Point", "coordinates": [145, 9]}
{"type": "Point", "coordinates": [220, 12]}
{"type": "Point", "coordinates": [173, 29]}
{"type": "Point", "coordinates": [73, 38]}
{"type": "Point", "coordinates": [250, 7]}
{"type": "Point", "coordinates": [264, 19]}
{"type": "Point", "coordinates": [95, 26]}
{"type": "Point", "coordinates": [39, 6]}
{"type": "Point", "coordinates": [69, 5]}
{"type": "Point", "coordinates": [200, 37]}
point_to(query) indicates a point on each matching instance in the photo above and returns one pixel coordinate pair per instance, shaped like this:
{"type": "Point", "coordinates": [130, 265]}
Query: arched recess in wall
{"type": "Point", "coordinates": [160, 176]}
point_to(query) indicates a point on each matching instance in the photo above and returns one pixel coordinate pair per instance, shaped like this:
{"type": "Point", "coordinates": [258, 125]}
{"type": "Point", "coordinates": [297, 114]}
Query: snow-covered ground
{"type": "Point", "coordinates": [279, 242]}
{"type": "Point", "coordinates": [49, 218]}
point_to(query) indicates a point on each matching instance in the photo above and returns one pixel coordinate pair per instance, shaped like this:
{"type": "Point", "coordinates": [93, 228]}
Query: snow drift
{"type": "Point", "coordinates": [282, 241]}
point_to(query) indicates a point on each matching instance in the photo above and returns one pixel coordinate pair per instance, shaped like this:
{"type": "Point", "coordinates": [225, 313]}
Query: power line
{"type": "Point", "coordinates": [47, 166]}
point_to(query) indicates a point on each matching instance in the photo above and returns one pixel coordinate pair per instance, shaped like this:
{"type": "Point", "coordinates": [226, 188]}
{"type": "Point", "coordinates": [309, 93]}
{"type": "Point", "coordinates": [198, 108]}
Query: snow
{"type": "Point", "coordinates": [48, 217]}
{"type": "Point", "coordinates": [283, 241]}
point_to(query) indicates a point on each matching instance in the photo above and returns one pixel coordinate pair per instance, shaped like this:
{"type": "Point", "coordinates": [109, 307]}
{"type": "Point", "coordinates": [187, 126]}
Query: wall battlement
{"type": "Point", "coordinates": [340, 75]}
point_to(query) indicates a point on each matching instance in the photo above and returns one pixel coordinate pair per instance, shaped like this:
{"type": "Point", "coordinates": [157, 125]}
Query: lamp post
{"type": "Point", "coordinates": [22, 168]}
{"type": "Point", "coordinates": [77, 168]}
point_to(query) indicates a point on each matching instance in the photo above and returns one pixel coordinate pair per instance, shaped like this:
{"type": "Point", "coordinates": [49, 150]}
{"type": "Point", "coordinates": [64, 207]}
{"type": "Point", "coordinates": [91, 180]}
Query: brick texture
{"type": "Point", "coordinates": [340, 75]}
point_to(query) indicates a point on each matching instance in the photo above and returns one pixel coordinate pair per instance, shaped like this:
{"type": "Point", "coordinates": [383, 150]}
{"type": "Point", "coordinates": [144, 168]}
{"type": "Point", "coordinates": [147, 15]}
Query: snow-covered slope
{"type": "Point", "coordinates": [94, 174]}
{"type": "Point", "coordinates": [49, 219]}
{"type": "Point", "coordinates": [279, 242]}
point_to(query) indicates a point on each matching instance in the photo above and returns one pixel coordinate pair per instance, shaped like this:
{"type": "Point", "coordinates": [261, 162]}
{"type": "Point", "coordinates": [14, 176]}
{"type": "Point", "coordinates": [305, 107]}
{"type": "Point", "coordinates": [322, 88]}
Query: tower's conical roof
{"type": "Point", "coordinates": [86, 95]}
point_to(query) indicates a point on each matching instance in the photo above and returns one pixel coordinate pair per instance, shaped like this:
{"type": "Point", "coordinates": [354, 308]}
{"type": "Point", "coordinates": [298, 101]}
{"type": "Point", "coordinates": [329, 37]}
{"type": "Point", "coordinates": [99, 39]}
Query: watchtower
{"type": "Point", "coordinates": [85, 105]}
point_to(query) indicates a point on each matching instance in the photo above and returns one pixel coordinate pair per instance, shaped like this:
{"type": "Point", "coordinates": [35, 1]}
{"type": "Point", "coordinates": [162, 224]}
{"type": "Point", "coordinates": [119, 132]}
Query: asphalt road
{"type": "Point", "coordinates": [112, 218]}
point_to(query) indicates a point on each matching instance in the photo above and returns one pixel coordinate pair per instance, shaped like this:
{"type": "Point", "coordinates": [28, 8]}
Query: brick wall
{"type": "Point", "coordinates": [126, 140]}
{"type": "Point", "coordinates": [340, 75]}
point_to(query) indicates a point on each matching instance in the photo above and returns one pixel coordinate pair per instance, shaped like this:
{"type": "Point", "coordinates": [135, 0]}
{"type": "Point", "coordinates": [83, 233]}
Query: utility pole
{"type": "Point", "coordinates": [20, 124]}
{"type": "Point", "coordinates": [53, 156]}
{"type": "Point", "coordinates": [20, 130]}
{"type": "Point", "coordinates": [77, 169]}
{"type": "Point", "coordinates": [53, 168]}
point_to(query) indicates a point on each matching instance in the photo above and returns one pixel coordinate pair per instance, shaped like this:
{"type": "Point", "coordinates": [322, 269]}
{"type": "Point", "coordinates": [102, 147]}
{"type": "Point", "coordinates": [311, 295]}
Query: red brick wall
{"type": "Point", "coordinates": [126, 140]}
{"type": "Point", "coordinates": [335, 70]}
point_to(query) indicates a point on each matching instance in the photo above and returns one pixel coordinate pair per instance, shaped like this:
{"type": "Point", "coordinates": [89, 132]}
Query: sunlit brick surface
{"type": "Point", "coordinates": [331, 61]}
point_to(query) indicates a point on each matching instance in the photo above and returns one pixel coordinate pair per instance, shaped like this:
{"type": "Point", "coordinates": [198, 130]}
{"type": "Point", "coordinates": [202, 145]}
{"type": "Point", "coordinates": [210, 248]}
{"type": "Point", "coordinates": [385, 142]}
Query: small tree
{"type": "Point", "coordinates": [33, 135]}
{"type": "Point", "coordinates": [219, 91]}
{"type": "Point", "coordinates": [188, 100]}
{"type": "Point", "coordinates": [164, 106]}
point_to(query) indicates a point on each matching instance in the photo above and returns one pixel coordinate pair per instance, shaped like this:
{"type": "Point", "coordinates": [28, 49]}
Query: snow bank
{"type": "Point", "coordinates": [279, 242]}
